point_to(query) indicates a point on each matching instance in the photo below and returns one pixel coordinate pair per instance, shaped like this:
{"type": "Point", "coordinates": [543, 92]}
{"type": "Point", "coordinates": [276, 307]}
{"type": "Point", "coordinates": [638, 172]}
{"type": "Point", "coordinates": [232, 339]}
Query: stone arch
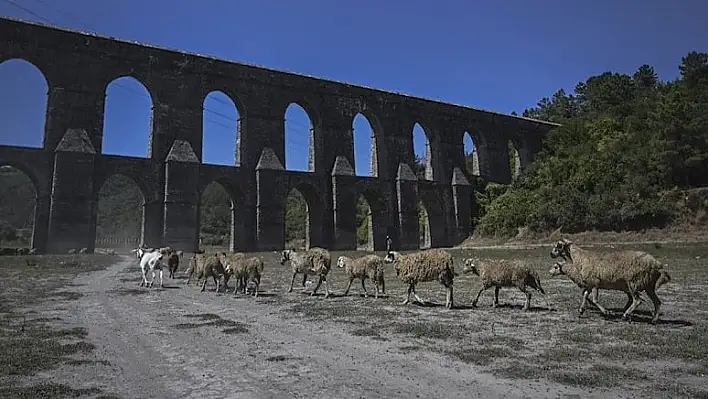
{"type": "Point", "coordinates": [235, 214]}
{"type": "Point", "coordinates": [376, 219]}
{"type": "Point", "coordinates": [424, 233]}
{"type": "Point", "coordinates": [313, 231]}
{"type": "Point", "coordinates": [367, 128]}
{"type": "Point", "coordinates": [125, 207]}
{"type": "Point", "coordinates": [220, 129]}
{"type": "Point", "coordinates": [423, 154]}
{"type": "Point", "coordinates": [14, 179]}
{"type": "Point", "coordinates": [300, 134]}
{"type": "Point", "coordinates": [433, 232]}
{"type": "Point", "coordinates": [470, 153]}
{"type": "Point", "coordinates": [24, 114]}
{"type": "Point", "coordinates": [131, 132]}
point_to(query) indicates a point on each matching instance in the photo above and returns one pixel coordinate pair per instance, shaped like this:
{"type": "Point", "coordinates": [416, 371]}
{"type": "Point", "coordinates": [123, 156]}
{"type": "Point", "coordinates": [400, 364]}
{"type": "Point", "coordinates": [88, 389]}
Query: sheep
{"type": "Point", "coordinates": [500, 273]}
{"type": "Point", "coordinates": [172, 262]}
{"type": "Point", "coordinates": [150, 261]}
{"type": "Point", "coordinates": [423, 266]}
{"type": "Point", "coordinates": [83, 250]}
{"type": "Point", "coordinates": [368, 266]}
{"type": "Point", "coordinates": [245, 270]}
{"type": "Point", "coordinates": [629, 271]}
{"type": "Point", "coordinates": [208, 265]}
{"type": "Point", "coordinates": [315, 261]}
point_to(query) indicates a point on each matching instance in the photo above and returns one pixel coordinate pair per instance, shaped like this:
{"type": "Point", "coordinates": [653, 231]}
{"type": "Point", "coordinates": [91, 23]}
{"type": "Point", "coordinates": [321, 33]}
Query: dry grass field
{"type": "Point", "coordinates": [85, 328]}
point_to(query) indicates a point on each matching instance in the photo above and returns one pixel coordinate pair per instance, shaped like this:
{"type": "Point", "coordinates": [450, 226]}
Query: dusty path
{"type": "Point", "coordinates": [276, 358]}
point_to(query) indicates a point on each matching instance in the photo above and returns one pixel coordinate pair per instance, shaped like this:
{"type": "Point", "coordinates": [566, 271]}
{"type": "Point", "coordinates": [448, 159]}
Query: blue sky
{"type": "Point", "coordinates": [502, 56]}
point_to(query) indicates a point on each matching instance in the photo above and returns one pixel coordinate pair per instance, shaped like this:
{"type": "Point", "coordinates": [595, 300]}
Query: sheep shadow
{"type": "Point", "coordinates": [261, 294]}
{"type": "Point", "coordinates": [430, 304]}
{"type": "Point", "coordinates": [519, 307]}
{"type": "Point", "coordinates": [171, 287]}
{"type": "Point", "coordinates": [645, 317]}
{"type": "Point", "coordinates": [319, 294]}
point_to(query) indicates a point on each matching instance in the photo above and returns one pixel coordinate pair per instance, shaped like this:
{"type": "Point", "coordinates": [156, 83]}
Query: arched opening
{"type": "Point", "coordinates": [423, 226]}
{"type": "Point", "coordinates": [119, 215]}
{"type": "Point", "coordinates": [364, 225]}
{"type": "Point", "coordinates": [421, 149]}
{"type": "Point", "coordinates": [364, 147]}
{"type": "Point", "coordinates": [303, 218]}
{"type": "Point", "coordinates": [127, 118]}
{"type": "Point", "coordinates": [296, 219]}
{"type": "Point", "coordinates": [219, 129]}
{"type": "Point", "coordinates": [299, 139]}
{"type": "Point", "coordinates": [24, 104]}
{"type": "Point", "coordinates": [216, 218]}
{"type": "Point", "coordinates": [471, 155]}
{"type": "Point", "coordinates": [514, 160]}
{"type": "Point", "coordinates": [17, 202]}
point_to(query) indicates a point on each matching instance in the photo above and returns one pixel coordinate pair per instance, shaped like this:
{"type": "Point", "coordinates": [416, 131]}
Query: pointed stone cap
{"type": "Point", "coordinates": [269, 160]}
{"type": "Point", "coordinates": [76, 140]}
{"type": "Point", "coordinates": [182, 151]}
{"type": "Point", "coordinates": [342, 167]}
{"type": "Point", "coordinates": [405, 172]}
{"type": "Point", "coordinates": [458, 177]}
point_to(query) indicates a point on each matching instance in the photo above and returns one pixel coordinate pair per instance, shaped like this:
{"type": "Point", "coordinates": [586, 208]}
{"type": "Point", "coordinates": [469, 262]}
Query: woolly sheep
{"type": "Point", "coordinates": [315, 261]}
{"type": "Point", "coordinates": [500, 273]}
{"type": "Point", "coordinates": [629, 271]}
{"type": "Point", "coordinates": [206, 266]}
{"type": "Point", "coordinates": [244, 270]}
{"type": "Point", "coordinates": [422, 266]}
{"type": "Point", "coordinates": [172, 262]}
{"type": "Point", "coordinates": [368, 266]}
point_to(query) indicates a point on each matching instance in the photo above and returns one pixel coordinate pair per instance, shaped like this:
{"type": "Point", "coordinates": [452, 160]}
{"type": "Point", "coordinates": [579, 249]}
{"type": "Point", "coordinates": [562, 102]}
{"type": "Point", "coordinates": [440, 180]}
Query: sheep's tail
{"type": "Point", "coordinates": [664, 278]}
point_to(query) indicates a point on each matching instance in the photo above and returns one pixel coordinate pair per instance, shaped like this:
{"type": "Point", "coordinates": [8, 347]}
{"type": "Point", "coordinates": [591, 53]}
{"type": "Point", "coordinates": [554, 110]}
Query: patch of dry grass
{"type": "Point", "coordinates": [540, 344]}
{"type": "Point", "coordinates": [29, 344]}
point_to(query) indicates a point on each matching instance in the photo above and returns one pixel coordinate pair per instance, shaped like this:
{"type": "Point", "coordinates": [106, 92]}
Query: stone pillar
{"type": "Point", "coordinates": [70, 214]}
{"type": "Point", "coordinates": [40, 231]}
{"type": "Point", "coordinates": [181, 220]}
{"type": "Point", "coordinates": [152, 223]}
{"type": "Point", "coordinates": [344, 206]}
{"type": "Point", "coordinates": [270, 205]}
{"type": "Point", "coordinates": [407, 193]}
{"type": "Point", "coordinates": [462, 204]}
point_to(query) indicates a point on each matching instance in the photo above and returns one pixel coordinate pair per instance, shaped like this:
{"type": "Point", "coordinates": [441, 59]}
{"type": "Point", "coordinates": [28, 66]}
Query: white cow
{"type": "Point", "coordinates": [149, 262]}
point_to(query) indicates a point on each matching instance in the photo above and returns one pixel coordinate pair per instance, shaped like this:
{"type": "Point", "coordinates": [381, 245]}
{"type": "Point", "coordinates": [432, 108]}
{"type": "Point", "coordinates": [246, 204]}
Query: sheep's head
{"type": "Point", "coordinates": [341, 260]}
{"type": "Point", "coordinates": [284, 256]}
{"type": "Point", "coordinates": [470, 267]}
{"type": "Point", "coordinates": [562, 249]}
{"type": "Point", "coordinates": [391, 257]}
{"type": "Point", "coordinates": [557, 269]}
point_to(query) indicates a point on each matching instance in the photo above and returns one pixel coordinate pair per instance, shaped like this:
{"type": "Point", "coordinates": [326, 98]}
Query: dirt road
{"type": "Point", "coordinates": [158, 348]}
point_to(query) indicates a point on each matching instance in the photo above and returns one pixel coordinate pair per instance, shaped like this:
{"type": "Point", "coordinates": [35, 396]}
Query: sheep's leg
{"type": "Point", "coordinates": [161, 286]}
{"type": "Point", "coordinates": [527, 304]}
{"type": "Point", "coordinates": [481, 290]}
{"type": "Point", "coordinates": [657, 304]}
{"type": "Point", "coordinates": [319, 282]}
{"type": "Point", "coordinates": [191, 272]}
{"type": "Point", "coordinates": [496, 297]}
{"type": "Point", "coordinates": [383, 286]}
{"type": "Point", "coordinates": [408, 297]}
{"type": "Point", "coordinates": [204, 285]}
{"type": "Point", "coordinates": [144, 281]}
{"type": "Point", "coordinates": [216, 282]}
{"type": "Point", "coordinates": [351, 279]}
{"type": "Point", "coordinates": [304, 279]}
{"type": "Point", "coordinates": [448, 301]}
{"type": "Point", "coordinates": [629, 302]}
{"type": "Point", "coordinates": [324, 278]}
{"type": "Point", "coordinates": [417, 298]}
{"type": "Point", "coordinates": [596, 295]}
{"type": "Point", "coordinates": [257, 283]}
{"type": "Point", "coordinates": [635, 303]}
{"type": "Point", "coordinates": [293, 282]}
{"type": "Point", "coordinates": [152, 280]}
{"type": "Point", "coordinates": [376, 285]}
{"type": "Point", "coordinates": [363, 287]}
{"type": "Point", "coordinates": [597, 305]}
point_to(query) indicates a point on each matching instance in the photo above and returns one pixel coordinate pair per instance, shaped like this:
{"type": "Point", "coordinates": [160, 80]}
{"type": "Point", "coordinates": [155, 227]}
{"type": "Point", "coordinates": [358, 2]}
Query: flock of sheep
{"type": "Point", "coordinates": [632, 272]}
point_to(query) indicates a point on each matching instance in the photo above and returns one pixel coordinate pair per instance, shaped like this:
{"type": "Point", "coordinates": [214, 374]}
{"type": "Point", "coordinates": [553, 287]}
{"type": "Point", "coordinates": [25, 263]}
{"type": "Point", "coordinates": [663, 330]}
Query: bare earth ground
{"type": "Point", "coordinates": [85, 328]}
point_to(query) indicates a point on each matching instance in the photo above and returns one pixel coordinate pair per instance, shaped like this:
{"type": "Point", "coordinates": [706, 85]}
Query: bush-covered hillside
{"type": "Point", "coordinates": [630, 155]}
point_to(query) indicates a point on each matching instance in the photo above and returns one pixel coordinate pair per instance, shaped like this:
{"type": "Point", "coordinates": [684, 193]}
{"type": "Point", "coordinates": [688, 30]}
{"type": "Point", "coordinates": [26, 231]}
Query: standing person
{"type": "Point", "coordinates": [389, 243]}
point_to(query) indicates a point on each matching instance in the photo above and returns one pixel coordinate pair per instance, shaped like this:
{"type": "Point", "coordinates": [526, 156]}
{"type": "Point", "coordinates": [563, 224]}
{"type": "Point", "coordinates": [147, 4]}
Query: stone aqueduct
{"type": "Point", "coordinates": [70, 168]}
